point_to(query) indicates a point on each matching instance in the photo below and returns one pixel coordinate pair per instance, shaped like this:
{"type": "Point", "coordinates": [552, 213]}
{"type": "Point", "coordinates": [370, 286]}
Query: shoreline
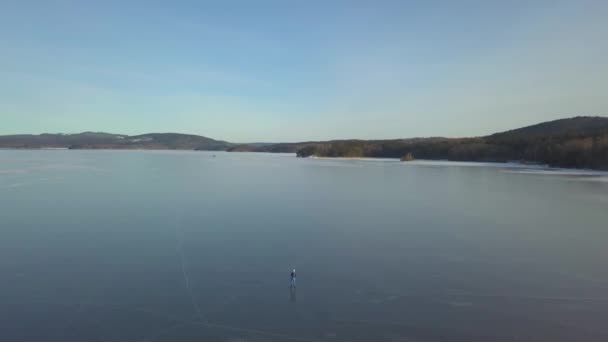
{"type": "Point", "coordinates": [521, 167]}
{"type": "Point", "coordinates": [516, 167]}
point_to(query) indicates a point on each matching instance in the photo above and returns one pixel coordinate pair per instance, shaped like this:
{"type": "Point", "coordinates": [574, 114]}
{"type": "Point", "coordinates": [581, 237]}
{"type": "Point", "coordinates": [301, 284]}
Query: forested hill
{"type": "Point", "coordinates": [580, 142]}
{"type": "Point", "coordinates": [95, 140]}
{"type": "Point", "coordinates": [571, 127]}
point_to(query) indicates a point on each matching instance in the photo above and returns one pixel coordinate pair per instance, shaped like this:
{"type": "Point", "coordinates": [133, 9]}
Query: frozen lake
{"type": "Point", "coordinates": [193, 246]}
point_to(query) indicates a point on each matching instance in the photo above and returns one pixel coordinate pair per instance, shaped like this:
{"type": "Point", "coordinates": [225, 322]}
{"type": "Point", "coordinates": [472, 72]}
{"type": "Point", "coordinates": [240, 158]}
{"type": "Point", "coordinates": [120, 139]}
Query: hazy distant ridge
{"type": "Point", "coordinates": [94, 140]}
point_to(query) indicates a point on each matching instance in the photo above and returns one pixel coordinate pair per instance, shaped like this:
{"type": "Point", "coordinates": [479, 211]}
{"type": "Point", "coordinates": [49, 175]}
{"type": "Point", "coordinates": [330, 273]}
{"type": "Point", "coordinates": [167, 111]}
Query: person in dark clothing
{"type": "Point", "coordinates": [293, 278]}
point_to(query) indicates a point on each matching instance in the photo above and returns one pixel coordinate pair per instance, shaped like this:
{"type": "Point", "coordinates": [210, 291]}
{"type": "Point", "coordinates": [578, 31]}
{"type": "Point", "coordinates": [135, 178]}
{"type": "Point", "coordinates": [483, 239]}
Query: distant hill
{"type": "Point", "coordinates": [572, 127]}
{"type": "Point", "coordinates": [98, 140]}
{"type": "Point", "coordinates": [579, 142]}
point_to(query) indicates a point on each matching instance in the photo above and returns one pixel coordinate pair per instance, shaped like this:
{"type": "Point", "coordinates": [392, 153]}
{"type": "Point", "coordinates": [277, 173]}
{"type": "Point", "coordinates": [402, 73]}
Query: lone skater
{"type": "Point", "coordinates": [293, 278]}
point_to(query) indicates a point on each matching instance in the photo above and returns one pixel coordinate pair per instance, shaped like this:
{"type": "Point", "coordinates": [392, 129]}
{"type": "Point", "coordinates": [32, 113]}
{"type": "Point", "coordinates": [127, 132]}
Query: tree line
{"type": "Point", "coordinates": [585, 147]}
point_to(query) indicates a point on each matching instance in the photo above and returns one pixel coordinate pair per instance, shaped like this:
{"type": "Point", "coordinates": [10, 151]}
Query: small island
{"type": "Point", "coordinates": [407, 157]}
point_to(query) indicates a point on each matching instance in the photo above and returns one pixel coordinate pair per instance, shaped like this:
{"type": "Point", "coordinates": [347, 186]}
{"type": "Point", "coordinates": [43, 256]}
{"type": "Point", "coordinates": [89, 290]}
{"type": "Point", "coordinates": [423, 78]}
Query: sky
{"type": "Point", "coordinates": [252, 71]}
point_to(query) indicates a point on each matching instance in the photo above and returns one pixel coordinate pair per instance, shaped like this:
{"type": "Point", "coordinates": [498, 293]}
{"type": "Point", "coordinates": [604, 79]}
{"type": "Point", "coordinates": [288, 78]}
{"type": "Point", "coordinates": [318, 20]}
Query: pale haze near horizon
{"type": "Point", "coordinates": [286, 71]}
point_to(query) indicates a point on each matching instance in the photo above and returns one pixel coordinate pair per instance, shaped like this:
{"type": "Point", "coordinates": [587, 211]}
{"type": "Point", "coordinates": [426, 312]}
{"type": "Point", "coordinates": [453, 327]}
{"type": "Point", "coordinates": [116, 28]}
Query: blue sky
{"type": "Point", "coordinates": [299, 70]}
